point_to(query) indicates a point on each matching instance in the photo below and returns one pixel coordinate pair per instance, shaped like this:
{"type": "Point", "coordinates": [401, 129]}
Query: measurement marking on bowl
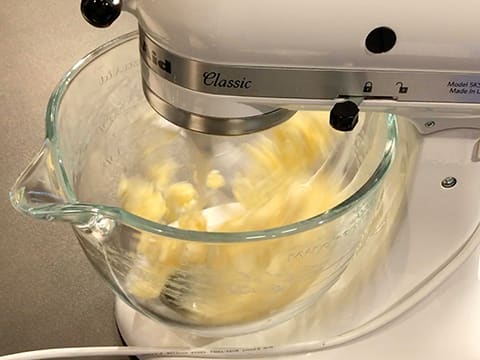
{"type": "Point", "coordinates": [111, 74]}
{"type": "Point", "coordinates": [307, 251]}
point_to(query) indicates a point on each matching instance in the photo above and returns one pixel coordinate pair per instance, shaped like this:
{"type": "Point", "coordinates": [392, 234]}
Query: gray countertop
{"type": "Point", "coordinates": [50, 296]}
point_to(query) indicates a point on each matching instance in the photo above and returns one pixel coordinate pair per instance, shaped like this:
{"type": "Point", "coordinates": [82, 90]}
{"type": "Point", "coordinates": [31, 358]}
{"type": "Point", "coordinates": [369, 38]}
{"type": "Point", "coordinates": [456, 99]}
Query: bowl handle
{"type": "Point", "coordinates": [38, 192]}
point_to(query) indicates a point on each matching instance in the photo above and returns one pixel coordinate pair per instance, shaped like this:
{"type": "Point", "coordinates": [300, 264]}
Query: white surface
{"type": "Point", "coordinates": [444, 326]}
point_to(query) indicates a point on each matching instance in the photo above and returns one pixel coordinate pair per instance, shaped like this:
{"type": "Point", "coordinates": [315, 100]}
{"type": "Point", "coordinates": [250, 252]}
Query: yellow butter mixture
{"type": "Point", "coordinates": [282, 178]}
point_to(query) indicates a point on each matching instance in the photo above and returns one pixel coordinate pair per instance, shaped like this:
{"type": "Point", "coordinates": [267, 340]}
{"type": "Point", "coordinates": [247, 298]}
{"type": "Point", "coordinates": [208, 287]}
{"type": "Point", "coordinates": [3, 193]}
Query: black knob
{"type": "Point", "coordinates": [381, 40]}
{"type": "Point", "coordinates": [344, 116]}
{"type": "Point", "coordinates": [101, 13]}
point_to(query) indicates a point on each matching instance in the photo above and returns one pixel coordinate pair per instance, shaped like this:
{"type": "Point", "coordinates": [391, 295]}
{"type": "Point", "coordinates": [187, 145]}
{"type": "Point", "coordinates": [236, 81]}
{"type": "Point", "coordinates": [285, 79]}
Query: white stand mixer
{"type": "Point", "coordinates": [231, 68]}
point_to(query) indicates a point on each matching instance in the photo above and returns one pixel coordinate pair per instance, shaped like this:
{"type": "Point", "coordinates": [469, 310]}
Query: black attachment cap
{"type": "Point", "coordinates": [344, 116]}
{"type": "Point", "coordinates": [381, 40]}
{"type": "Point", "coordinates": [101, 13]}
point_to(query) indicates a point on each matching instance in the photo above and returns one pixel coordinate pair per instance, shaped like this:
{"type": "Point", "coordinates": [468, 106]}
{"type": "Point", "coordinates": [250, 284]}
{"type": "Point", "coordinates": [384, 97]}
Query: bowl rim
{"type": "Point", "coordinates": [73, 206]}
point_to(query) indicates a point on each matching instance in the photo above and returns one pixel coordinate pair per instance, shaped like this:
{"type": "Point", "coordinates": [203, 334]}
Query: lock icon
{"type": "Point", "coordinates": [368, 87]}
{"type": "Point", "coordinates": [402, 89]}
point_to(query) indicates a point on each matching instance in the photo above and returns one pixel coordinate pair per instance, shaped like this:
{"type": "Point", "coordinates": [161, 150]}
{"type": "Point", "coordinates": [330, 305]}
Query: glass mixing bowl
{"type": "Point", "coordinates": [102, 134]}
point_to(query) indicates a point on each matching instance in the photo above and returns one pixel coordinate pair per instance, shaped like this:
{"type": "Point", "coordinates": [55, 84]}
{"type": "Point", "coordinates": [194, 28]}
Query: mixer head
{"type": "Point", "coordinates": [221, 69]}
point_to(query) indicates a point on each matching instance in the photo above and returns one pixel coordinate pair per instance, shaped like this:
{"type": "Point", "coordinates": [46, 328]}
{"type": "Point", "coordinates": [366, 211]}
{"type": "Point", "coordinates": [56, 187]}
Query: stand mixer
{"type": "Point", "coordinates": [234, 68]}
{"type": "Point", "coordinates": [223, 69]}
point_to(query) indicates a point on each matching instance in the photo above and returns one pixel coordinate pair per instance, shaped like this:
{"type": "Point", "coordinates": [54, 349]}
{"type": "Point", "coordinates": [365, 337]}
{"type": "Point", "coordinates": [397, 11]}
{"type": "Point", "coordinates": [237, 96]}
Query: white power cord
{"type": "Point", "coordinates": [151, 352]}
{"type": "Point", "coordinates": [105, 351]}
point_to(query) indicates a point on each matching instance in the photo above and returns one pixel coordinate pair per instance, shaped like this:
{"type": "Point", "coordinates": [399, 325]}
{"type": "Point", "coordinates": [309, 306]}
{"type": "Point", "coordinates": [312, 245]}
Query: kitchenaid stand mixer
{"type": "Point", "coordinates": [229, 69]}
{"type": "Point", "coordinates": [232, 69]}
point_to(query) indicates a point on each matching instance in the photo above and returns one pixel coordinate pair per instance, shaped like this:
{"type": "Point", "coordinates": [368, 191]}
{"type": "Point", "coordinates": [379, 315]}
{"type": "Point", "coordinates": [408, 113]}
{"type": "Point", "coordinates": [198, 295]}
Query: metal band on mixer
{"type": "Point", "coordinates": [215, 125]}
